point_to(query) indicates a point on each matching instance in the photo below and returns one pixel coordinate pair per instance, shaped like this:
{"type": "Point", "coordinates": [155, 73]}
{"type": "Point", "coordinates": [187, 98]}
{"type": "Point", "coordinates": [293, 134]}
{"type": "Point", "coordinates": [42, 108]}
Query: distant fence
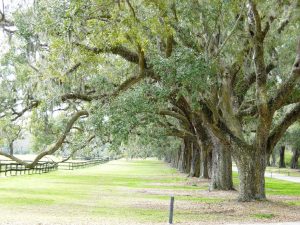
{"type": "Point", "coordinates": [11, 168]}
{"type": "Point", "coordinates": [76, 165]}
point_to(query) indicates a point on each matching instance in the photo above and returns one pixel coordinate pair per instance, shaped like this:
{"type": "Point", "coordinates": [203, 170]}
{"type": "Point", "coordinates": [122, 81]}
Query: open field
{"type": "Point", "coordinates": [135, 192]}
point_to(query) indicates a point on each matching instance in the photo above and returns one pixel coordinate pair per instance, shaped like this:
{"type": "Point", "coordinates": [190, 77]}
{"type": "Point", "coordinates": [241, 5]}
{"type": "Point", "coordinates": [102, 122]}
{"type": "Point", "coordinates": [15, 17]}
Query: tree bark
{"type": "Point", "coordinates": [174, 159]}
{"type": "Point", "coordinates": [221, 178]}
{"type": "Point", "coordinates": [281, 154]}
{"type": "Point", "coordinates": [195, 164]}
{"type": "Point", "coordinates": [295, 157]}
{"type": "Point", "coordinates": [273, 163]}
{"type": "Point", "coordinates": [269, 159]}
{"type": "Point", "coordinates": [187, 155]}
{"type": "Point", "coordinates": [209, 163]}
{"type": "Point", "coordinates": [180, 159]}
{"type": "Point", "coordinates": [251, 166]}
{"type": "Point", "coordinates": [11, 148]}
{"type": "Point", "coordinates": [204, 162]}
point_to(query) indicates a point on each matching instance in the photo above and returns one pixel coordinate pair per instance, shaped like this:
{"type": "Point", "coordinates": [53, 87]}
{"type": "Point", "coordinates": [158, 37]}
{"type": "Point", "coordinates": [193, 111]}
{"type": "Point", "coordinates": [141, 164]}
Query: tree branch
{"type": "Point", "coordinates": [287, 87]}
{"type": "Point", "coordinates": [83, 97]}
{"type": "Point", "coordinates": [122, 51]}
{"type": "Point", "coordinates": [175, 115]}
{"type": "Point", "coordinates": [34, 104]}
{"type": "Point", "coordinates": [291, 117]}
{"type": "Point", "coordinates": [77, 149]}
{"type": "Point", "coordinates": [55, 146]}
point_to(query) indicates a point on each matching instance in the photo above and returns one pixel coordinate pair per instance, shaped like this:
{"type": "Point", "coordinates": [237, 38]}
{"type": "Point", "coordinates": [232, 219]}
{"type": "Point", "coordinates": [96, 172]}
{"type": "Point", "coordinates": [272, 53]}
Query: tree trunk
{"type": "Point", "coordinates": [221, 178]}
{"type": "Point", "coordinates": [195, 164]}
{"type": "Point", "coordinates": [294, 160]}
{"type": "Point", "coordinates": [273, 163]}
{"type": "Point", "coordinates": [209, 163]}
{"type": "Point", "coordinates": [269, 160]}
{"type": "Point", "coordinates": [187, 155]}
{"type": "Point", "coordinates": [251, 165]}
{"type": "Point", "coordinates": [180, 159]}
{"type": "Point", "coordinates": [204, 163]}
{"type": "Point", "coordinates": [174, 159]}
{"type": "Point", "coordinates": [11, 148]}
{"type": "Point", "coordinates": [281, 154]}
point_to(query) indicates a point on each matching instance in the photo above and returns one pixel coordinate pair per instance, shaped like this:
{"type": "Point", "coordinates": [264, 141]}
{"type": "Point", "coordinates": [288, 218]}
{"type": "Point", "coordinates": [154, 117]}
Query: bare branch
{"type": "Point", "coordinates": [73, 68]}
{"type": "Point", "coordinates": [132, 9]}
{"type": "Point", "coordinates": [34, 104]}
{"type": "Point", "coordinates": [77, 149]}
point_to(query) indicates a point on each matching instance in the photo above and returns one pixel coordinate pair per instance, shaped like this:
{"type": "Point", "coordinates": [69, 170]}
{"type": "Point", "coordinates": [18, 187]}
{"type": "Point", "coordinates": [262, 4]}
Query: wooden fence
{"type": "Point", "coordinates": [82, 164]}
{"type": "Point", "coordinates": [9, 168]}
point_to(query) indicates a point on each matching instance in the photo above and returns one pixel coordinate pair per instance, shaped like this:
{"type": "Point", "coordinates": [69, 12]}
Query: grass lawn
{"type": "Point", "coordinates": [284, 171]}
{"type": "Point", "coordinates": [135, 192]}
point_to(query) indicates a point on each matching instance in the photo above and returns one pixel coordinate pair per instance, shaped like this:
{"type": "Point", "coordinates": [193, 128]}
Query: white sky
{"type": "Point", "coordinates": [9, 7]}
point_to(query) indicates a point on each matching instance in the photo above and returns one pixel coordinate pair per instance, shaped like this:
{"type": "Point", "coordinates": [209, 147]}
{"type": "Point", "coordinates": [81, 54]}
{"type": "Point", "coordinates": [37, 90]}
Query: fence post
{"type": "Point", "coordinates": [171, 210]}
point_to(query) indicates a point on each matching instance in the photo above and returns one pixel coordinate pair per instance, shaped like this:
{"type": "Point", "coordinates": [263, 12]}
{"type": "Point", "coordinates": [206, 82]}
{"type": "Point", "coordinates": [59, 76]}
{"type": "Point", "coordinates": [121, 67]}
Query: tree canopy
{"type": "Point", "coordinates": [190, 80]}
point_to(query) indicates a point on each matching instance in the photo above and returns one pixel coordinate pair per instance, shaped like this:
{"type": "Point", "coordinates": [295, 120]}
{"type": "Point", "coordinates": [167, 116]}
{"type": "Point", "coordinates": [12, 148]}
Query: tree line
{"type": "Point", "coordinates": [198, 82]}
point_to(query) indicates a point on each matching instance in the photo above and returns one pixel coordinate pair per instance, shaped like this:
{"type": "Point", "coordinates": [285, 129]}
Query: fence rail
{"type": "Point", "coordinates": [14, 169]}
{"type": "Point", "coordinates": [11, 168]}
{"type": "Point", "coordinates": [76, 165]}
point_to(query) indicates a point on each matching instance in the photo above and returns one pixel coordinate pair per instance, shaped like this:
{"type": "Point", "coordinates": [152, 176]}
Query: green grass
{"type": "Point", "coordinates": [287, 158]}
{"type": "Point", "coordinates": [284, 171]}
{"type": "Point", "coordinates": [114, 190]}
{"type": "Point", "coordinates": [136, 190]}
{"type": "Point", "coordinates": [279, 187]}
{"type": "Point", "coordinates": [293, 203]}
{"type": "Point", "coordinates": [187, 198]}
{"type": "Point", "coordinates": [276, 186]}
{"type": "Point", "coordinates": [264, 215]}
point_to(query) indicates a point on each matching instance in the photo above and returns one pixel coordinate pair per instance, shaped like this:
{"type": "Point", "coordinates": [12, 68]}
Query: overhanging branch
{"type": "Point", "coordinates": [55, 146]}
{"type": "Point", "coordinates": [122, 51]}
{"type": "Point", "coordinates": [290, 118]}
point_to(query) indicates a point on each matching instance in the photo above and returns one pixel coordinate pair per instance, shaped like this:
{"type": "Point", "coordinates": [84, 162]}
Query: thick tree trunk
{"type": "Point", "coordinates": [281, 154]}
{"type": "Point", "coordinates": [195, 164]}
{"type": "Point", "coordinates": [251, 166]}
{"type": "Point", "coordinates": [222, 167]}
{"type": "Point", "coordinates": [295, 157]}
